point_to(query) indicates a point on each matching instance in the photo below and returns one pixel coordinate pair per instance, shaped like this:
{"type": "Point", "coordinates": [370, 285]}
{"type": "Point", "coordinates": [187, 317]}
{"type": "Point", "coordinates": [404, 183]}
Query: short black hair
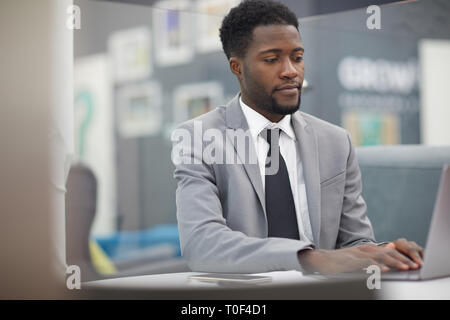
{"type": "Point", "coordinates": [237, 26]}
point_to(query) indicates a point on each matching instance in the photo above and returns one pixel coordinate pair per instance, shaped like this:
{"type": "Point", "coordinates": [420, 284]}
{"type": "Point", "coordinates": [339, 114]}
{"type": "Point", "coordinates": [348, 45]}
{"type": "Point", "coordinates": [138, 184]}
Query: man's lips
{"type": "Point", "coordinates": [288, 89]}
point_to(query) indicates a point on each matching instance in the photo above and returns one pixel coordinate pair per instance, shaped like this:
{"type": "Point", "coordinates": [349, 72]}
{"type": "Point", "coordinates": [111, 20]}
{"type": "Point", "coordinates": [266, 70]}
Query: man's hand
{"type": "Point", "coordinates": [400, 254]}
{"type": "Point", "coordinates": [409, 248]}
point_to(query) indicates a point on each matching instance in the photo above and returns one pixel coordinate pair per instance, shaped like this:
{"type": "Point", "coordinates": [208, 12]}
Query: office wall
{"type": "Point", "coordinates": [145, 184]}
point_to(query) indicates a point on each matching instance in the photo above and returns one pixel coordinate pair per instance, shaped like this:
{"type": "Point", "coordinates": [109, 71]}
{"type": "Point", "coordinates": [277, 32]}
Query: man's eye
{"type": "Point", "coordinates": [299, 58]}
{"type": "Point", "coordinates": [270, 60]}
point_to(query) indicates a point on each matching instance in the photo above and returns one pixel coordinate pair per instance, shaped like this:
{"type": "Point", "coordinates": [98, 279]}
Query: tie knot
{"type": "Point", "coordinates": [271, 135]}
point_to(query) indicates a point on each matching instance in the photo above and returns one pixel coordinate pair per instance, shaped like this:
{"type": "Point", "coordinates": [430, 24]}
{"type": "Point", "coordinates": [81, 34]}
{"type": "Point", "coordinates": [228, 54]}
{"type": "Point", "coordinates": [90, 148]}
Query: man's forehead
{"type": "Point", "coordinates": [266, 37]}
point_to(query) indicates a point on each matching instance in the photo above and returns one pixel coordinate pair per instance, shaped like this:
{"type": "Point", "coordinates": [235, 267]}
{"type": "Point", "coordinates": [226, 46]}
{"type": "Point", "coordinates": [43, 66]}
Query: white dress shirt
{"type": "Point", "coordinates": [291, 154]}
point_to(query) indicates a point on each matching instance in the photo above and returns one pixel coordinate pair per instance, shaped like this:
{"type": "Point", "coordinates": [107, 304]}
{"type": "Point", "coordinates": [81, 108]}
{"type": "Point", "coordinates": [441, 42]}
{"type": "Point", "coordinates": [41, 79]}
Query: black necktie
{"type": "Point", "coordinates": [280, 207]}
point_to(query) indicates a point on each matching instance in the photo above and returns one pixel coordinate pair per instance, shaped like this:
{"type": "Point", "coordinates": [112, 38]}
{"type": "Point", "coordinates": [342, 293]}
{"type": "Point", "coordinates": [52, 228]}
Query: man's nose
{"type": "Point", "coordinates": [288, 70]}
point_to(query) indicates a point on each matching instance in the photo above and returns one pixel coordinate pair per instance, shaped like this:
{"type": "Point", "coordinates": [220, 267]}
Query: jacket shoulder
{"type": "Point", "coordinates": [211, 119]}
{"type": "Point", "coordinates": [324, 128]}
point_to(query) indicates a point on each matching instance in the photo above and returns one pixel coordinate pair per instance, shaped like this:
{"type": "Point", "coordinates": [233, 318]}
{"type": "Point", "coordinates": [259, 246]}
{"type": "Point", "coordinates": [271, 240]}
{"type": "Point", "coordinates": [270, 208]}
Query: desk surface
{"type": "Point", "coordinates": [431, 289]}
{"type": "Point", "coordinates": [436, 289]}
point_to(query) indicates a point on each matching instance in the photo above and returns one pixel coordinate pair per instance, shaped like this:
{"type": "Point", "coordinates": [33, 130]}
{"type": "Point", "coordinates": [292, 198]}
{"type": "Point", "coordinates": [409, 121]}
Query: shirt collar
{"type": "Point", "coordinates": [257, 122]}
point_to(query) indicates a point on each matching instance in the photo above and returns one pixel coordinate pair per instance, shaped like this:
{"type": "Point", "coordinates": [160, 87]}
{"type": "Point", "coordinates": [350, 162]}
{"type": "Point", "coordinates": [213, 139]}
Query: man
{"type": "Point", "coordinates": [306, 214]}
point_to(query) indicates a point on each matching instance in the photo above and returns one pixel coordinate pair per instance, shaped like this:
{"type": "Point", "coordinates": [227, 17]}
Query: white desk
{"type": "Point", "coordinates": [437, 289]}
{"type": "Point", "coordinates": [181, 280]}
{"type": "Point", "coordinates": [431, 289]}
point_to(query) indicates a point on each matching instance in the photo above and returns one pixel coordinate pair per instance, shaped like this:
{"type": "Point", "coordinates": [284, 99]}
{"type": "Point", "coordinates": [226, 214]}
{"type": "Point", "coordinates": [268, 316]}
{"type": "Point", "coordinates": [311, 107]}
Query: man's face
{"type": "Point", "coordinates": [273, 70]}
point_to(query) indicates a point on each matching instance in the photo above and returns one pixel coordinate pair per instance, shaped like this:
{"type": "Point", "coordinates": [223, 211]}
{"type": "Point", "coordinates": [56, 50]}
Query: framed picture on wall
{"type": "Point", "coordinates": [172, 32]}
{"type": "Point", "coordinates": [211, 14]}
{"type": "Point", "coordinates": [372, 127]}
{"type": "Point", "coordinates": [193, 100]}
{"type": "Point", "coordinates": [139, 110]}
{"type": "Point", "coordinates": [130, 54]}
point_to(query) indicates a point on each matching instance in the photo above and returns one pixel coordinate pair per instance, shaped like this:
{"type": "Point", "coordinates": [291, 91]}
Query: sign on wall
{"type": "Point", "coordinates": [94, 134]}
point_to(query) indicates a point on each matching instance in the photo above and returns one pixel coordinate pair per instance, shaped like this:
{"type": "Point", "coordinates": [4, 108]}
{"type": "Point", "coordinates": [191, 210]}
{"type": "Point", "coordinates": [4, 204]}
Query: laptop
{"type": "Point", "coordinates": [436, 260]}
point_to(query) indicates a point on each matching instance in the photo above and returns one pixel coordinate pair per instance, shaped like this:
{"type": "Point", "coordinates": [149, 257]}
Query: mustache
{"type": "Point", "coordinates": [295, 84]}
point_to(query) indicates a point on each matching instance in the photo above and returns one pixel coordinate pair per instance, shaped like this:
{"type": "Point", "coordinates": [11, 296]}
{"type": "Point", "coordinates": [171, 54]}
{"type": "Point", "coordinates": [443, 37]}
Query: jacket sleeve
{"type": "Point", "coordinates": [207, 243]}
{"type": "Point", "coordinates": [355, 227]}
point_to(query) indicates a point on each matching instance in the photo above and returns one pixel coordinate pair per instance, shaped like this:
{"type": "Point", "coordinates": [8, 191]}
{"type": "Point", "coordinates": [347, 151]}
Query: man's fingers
{"type": "Point", "coordinates": [401, 255]}
{"type": "Point", "coordinates": [419, 248]}
{"type": "Point", "coordinates": [390, 245]}
{"type": "Point", "coordinates": [410, 249]}
{"type": "Point", "coordinates": [391, 261]}
{"type": "Point", "coordinates": [367, 262]}
{"type": "Point", "coordinates": [402, 258]}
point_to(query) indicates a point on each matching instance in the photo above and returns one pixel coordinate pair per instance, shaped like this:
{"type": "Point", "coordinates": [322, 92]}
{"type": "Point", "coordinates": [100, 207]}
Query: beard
{"type": "Point", "coordinates": [269, 102]}
{"type": "Point", "coordinates": [285, 110]}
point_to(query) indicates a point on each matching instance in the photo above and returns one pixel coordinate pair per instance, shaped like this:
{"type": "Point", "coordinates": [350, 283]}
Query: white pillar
{"type": "Point", "coordinates": [435, 91]}
{"type": "Point", "coordinates": [61, 123]}
{"type": "Point", "coordinates": [35, 81]}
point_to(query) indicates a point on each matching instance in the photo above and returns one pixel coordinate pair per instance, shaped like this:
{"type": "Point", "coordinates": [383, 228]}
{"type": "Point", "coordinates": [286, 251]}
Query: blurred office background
{"type": "Point", "coordinates": [142, 68]}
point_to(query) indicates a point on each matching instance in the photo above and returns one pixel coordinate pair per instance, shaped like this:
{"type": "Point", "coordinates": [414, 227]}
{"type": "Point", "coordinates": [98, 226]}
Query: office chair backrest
{"type": "Point", "coordinates": [81, 198]}
{"type": "Point", "coordinates": [400, 184]}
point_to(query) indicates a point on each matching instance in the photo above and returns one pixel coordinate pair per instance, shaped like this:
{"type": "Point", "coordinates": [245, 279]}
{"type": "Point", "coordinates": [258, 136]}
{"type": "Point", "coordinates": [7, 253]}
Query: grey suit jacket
{"type": "Point", "coordinates": [221, 207]}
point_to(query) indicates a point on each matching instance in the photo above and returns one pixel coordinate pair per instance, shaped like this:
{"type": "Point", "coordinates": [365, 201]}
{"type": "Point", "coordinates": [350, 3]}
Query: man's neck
{"type": "Point", "coordinates": [273, 117]}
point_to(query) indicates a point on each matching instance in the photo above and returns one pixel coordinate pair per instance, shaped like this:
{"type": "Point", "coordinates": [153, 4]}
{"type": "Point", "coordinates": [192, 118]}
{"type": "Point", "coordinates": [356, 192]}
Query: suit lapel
{"type": "Point", "coordinates": [309, 154]}
{"type": "Point", "coordinates": [235, 120]}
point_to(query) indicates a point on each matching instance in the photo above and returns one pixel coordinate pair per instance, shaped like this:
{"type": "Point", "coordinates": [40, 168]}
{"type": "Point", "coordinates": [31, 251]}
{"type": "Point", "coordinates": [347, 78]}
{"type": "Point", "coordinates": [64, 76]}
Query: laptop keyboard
{"type": "Point", "coordinates": [401, 275]}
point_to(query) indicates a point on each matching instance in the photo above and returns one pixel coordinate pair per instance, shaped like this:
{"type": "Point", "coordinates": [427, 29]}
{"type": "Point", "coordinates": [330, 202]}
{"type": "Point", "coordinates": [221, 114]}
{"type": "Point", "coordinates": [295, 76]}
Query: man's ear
{"type": "Point", "coordinates": [236, 66]}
